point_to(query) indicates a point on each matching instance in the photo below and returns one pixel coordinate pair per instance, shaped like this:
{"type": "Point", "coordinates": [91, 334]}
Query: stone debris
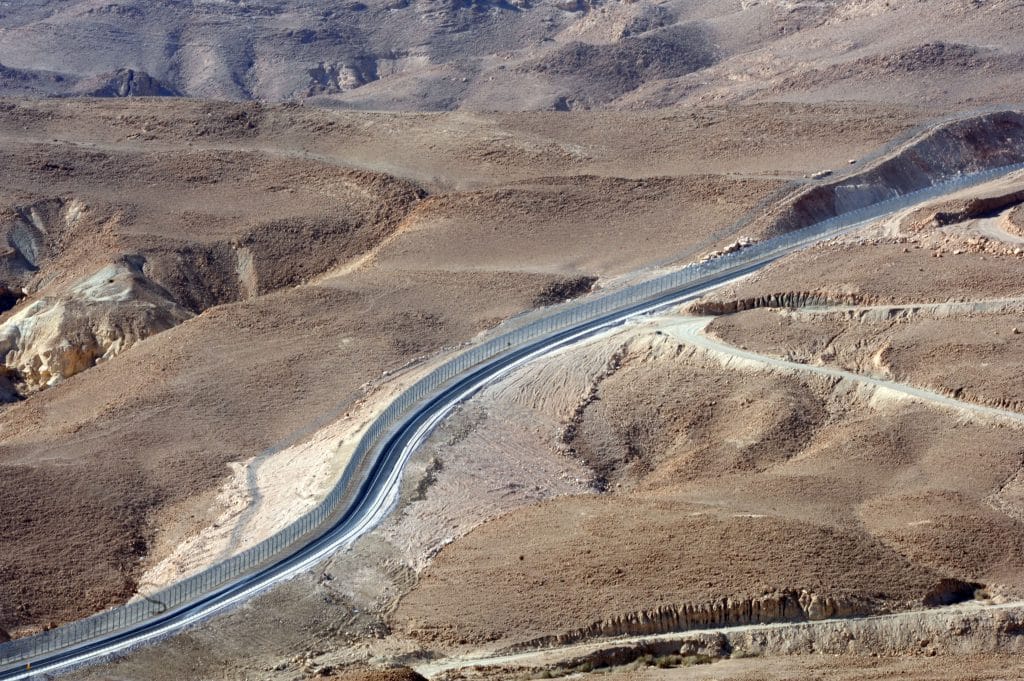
{"type": "Point", "coordinates": [739, 244]}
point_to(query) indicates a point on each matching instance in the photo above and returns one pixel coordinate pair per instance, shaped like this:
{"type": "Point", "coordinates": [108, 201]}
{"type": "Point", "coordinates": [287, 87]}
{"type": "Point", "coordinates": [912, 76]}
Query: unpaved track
{"type": "Point", "coordinates": [993, 228]}
{"type": "Point", "coordinates": [552, 656]}
{"type": "Point", "coordinates": [691, 332]}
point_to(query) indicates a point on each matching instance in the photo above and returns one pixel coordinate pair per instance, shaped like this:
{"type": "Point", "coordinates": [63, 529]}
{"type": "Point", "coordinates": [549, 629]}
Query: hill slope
{"type": "Point", "coordinates": [524, 54]}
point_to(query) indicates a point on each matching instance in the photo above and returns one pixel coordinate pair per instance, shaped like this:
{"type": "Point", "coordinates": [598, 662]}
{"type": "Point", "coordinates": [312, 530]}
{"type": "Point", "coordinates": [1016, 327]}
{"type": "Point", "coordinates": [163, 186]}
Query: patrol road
{"type": "Point", "coordinates": [377, 494]}
{"type": "Point", "coordinates": [376, 497]}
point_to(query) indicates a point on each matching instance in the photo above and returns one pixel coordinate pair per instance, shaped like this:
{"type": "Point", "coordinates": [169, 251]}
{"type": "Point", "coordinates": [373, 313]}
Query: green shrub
{"type": "Point", "coordinates": [691, 660]}
{"type": "Point", "coordinates": [666, 661]}
{"type": "Point", "coordinates": [743, 654]}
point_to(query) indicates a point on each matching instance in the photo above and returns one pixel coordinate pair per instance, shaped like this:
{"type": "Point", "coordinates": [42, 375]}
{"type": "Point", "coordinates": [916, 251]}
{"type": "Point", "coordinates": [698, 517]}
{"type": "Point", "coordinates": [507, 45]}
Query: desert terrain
{"type": "Point", "coordinates": [233, 237]}
{"type": "Point", "coordinates": [231, 243]}
{"type": "Point", "coordinates": [432, 55]}
{"type": "Point", "coordinates": [686, 484]}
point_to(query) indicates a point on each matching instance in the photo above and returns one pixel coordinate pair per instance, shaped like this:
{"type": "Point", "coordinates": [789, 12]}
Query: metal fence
{"type": "Point", "coordinates": [561, 318]}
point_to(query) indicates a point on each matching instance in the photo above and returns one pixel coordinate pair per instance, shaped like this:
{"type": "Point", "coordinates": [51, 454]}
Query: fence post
{"type": "Point", "coordinates": [558, 319]}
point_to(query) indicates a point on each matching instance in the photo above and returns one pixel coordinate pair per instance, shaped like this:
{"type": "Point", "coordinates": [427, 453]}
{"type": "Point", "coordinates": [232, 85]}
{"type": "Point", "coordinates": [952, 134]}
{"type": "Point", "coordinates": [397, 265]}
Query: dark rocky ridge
{"type": "Point", "coordinates": [125, 83]}
{"type": "Point", "coordinates": [122, 82]}
{"type": "Point", "coordinates": [604, 72]}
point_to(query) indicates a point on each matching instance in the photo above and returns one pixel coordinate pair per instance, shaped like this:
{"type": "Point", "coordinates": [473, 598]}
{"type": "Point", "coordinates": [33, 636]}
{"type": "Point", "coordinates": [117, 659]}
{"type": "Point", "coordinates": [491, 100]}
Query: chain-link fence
{"type": "Point", "coordinates": [366, 454]}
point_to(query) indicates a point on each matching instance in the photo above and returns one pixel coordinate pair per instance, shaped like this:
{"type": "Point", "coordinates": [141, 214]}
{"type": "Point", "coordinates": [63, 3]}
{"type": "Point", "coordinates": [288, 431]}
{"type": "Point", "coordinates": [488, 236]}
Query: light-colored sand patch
{"type": "Point", "coordinates": [267, 492]}
{"type": "Point", "coordinates": [499, 452]}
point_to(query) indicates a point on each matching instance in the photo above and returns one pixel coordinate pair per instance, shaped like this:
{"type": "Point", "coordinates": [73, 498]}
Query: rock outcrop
{"type": "Point", "coordinates": [704, 645]}
{"type": "Point", "coordinates": [923, 633]}
{"type": "Point", "coordinates": [926, 632]}
{"type": "Point", "coordinates": [26, 232]}
{"type": "Point", "coordinates": [708, 644]}
{"type": "Point", "coordinates": [950, 591]}
{"type": "Point", "coordinates": [1014, 223]}
{"type": "Point", "coordinates": [964, 146]}
{"type": "Point", "coordinates": [953, 212]}
{"type": "Point", "coordinates": [563, 289]}
{"type": "Point", "coordinates": [789, 299]}
{"type": "Point", "coordinates": [362, 674]}
{"type": "Point", "coordinates": [780, 606]}
{"type": "Point", "coordinates": [58, 336]}
{"type": "Point", "coordinates": [738, 245]}
{"type": "Point", "coordinates": [125, 83]}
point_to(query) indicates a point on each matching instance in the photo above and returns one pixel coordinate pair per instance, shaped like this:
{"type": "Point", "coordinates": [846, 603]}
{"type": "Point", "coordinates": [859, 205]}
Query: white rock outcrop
{"type": "Point", "coordinates": [57, 336]}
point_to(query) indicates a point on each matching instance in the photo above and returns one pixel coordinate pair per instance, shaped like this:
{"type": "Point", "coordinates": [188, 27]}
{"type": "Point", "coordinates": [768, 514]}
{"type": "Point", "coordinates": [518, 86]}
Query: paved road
{"type": "Point", "coordinates": [378, 495]}
{"type": "Point", "coordinates": [374, 500]}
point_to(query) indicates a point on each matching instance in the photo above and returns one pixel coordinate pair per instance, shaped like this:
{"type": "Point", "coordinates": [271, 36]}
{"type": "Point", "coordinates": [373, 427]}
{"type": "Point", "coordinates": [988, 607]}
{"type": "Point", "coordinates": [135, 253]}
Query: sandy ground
{"type": "Point", "coordinates": [684, 446]}
{"type": "Point", "coordinates": [298, 239]}
{"type": "Point", "coordinates": [859, 668]}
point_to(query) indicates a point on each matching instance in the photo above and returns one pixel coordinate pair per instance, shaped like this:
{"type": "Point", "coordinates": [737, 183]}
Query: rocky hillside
{"type": "Point", "coordinates": [517, 54]}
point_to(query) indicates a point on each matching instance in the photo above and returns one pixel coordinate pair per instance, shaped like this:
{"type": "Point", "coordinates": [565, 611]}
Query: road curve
{"type": "Point", "coordinates": [378, 494]}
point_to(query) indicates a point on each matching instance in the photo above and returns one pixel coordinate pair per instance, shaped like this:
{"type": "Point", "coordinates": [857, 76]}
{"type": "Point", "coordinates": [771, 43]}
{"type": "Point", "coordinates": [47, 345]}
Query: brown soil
{"type": "Point", "coordinates": [540, 225]}
{"type": "Point", "coordinates": [973, 357]}
{"type": "Point", "coordinates": [205, 367]}
{"type": "Point", "coordinates": [729, 485]}
{"type": "Point", "coordinates": [476, 150]}
{"type": "Point", "coordinates": [631, 485]}
{"type": "Point", "coordinates": [884, 273]}
{"type": "Point", "coordinates": [634, 556]}
{"type": "Point", "coordinates": [300, 239]}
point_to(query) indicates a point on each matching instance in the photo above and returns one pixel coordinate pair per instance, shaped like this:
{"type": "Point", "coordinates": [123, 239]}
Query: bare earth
{"type": "Point", "coordinates": [715, 486]}
{"type": "Point", "coordinates": [204, 300]}
{"type": "Point", "coordinates": [237, 231]}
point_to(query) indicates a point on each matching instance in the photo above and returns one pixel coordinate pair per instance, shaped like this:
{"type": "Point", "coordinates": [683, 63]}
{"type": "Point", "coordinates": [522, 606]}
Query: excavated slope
{"type": "Point", "coordinates": [972, 144]}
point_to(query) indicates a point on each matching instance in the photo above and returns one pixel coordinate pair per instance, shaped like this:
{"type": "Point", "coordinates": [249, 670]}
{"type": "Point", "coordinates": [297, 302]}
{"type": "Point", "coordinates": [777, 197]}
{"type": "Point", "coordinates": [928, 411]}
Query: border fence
{"type": "Point", "coordinates": [564, 317]}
